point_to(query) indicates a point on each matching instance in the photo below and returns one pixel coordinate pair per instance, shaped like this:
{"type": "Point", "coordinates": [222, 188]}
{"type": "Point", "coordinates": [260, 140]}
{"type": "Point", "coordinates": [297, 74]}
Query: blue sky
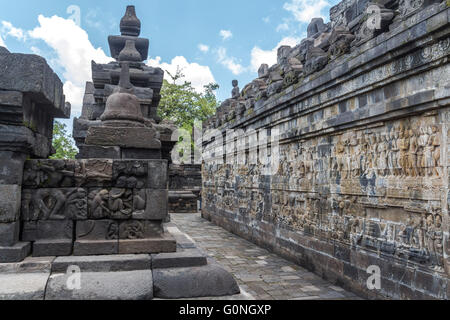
{"type": "Point", "coordinates": [210, 40]}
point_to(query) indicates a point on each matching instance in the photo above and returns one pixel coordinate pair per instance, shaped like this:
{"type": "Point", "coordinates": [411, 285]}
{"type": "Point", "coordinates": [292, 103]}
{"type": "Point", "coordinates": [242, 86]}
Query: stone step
{"type": "Point", "coordinates": [129, 285]}
{"type": "Point", "coordinates": [183, 259]}
{"type": "Point", "coordinates": [107, 263]}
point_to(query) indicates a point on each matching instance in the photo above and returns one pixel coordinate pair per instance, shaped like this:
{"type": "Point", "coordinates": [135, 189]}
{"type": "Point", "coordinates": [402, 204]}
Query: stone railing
{"type": "Point", "coordinates": [361, 116]}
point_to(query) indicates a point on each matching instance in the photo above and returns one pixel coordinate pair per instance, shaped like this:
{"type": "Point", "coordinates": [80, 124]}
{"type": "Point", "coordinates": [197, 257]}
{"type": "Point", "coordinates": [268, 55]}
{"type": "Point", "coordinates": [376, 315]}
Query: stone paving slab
{"type": "Point", "coordinates": [23, 286]}
{"type": "Point", "coordinates": [260, 274]}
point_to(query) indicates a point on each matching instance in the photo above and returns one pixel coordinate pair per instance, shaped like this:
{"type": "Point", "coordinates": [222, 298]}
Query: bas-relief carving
{"type": "Point", "coordinates": [54, 204]}
{"type": "Point", "coordinates": [396, 166]}
{"type": "Point", "coordinates": [112, 203]}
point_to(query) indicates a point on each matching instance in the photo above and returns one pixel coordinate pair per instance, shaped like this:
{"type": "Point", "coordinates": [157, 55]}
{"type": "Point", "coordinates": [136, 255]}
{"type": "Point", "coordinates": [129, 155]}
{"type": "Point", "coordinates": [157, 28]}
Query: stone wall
{"type": "Point", "coordinates": [94, 207]}
{"type": "Point", "coordinates": [362, 118]}
{"type": "Point", "coordinates": [185, 184]}
{"type": "Point", "coordinates": [31, 96]}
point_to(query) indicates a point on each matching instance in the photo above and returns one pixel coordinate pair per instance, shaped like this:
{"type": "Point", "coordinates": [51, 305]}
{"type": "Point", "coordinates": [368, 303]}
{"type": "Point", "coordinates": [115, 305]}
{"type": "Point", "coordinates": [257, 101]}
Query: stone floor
{"type": "Point", "coordinates": [260, 274]}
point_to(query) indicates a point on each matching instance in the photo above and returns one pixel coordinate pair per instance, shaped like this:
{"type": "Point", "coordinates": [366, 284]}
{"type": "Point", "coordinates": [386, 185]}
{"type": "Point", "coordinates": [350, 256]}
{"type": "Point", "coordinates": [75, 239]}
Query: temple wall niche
{"type": "Point", "coordinates": [362, 177]}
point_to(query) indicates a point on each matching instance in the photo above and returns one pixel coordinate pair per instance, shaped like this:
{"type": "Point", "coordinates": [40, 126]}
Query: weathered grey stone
{"type": "Point", "coordinates": [97, 230]}
{"type": "Point", "coordinates": [28, 265]}
{"type": "Point", "coordinates": [9, 233]}
{"type": "Point", "coordinates": [95, 247]}
{"type": "Point", "coordinates": [206, 281]}
{"type": "Point", "coordinates": [11, 167]}
{"type": "Point", "coordinates": [15, 253]}
{"type": "Point", "coordinates": [23, 286]}
{"type": "Point", "coordinates": [136, 153]}
{"type": "Point", "coordinates": [130, 285]}
{"type": "Point", "coordinates": [54, 229]}
{"type": "Point", "coordinates": [157, 174]}
{"type": "Point", "coordinates": [104, 263]}
{"type": "Point", "coordinates": [155, 205]}
{"type": "Point", "coordinates": [183, 259]}
{"type": "Point", "coordinates": [52, 247]}
{"type": "Point", "coordinates": [98, 152]}
{"type": "Point", "coordinates": [123, 137]}
{"type": "Point", "coordinates": [155, 245]}
{"type": "Point", "coordinates": [31, 74]}
{"type": "Point", "coordinates": [140, 229]}
{"type": "Point", "coordinates": [10, 197]}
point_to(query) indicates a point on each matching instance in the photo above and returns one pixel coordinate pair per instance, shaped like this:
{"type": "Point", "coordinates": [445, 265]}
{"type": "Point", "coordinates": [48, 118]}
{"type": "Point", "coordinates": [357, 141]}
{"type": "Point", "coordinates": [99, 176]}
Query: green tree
{"type": "Point", "coordinates": [186, 107]}
{"type": "Point", "coordinates": [182, 104]}
{"type": "Point", "coordinates": [62, 142]}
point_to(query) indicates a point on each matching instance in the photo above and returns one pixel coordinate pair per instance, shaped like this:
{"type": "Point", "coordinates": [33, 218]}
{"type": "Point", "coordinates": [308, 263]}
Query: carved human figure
{"type": "Point", "coordinates": [422, 143]}
{"type": "Point", "coordinates": [99, 205]}
{"type": "Point", "coordinates": [403, 145]}
{"type": "Point", "coordinates": [235, 93]}
{"type": "Point", "coordinates": [428, 154]}
{"type": "Point", "coordinates": [382, 156]}
{"type": "Point", "coordinates": [436, 150]}
{"type": "Point", "coordinates": [49, 202]}
{"type": "Point", "coordinates": [412, 154]}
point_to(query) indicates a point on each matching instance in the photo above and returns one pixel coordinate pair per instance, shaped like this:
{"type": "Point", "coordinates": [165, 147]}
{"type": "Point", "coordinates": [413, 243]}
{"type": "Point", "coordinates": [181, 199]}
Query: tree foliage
{"type": "Point", "coordinates": [182, 104]}
{"type": "Point", "coordinates": [62, 142]}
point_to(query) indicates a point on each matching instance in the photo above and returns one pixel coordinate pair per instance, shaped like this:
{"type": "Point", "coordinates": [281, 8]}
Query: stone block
{"type": "Point", "coordinates": [155, 245]}
{"type": "Point", "coordinates": [54, 229]}
{"type": "Point", "coordinates": [104, 263]}
{"type": "Point", "coordinates": [9, 233]}
{"type": "Point", "coordinates": [49, 174]}
{"type": "Point", "coordinates": [11, 167]}
{"type": "Point", "coordinates": [10, 198]}
{"type": "Point", "coordinates": [130, 285]}
{"type": "Point", "coordinates": [136, 153]}
{"type": "Point", "coordinates": [47, 248]}
{"type": "Point", "coordinates": [15, 253]}
{"type": "Point", "coordinates": [97, 230]}
{"type": "Point", "coordinates": [98, 152]}
{"type": "Point", "coordinates": [157, 174]}
{"type": "Point", "coordinates": [31, 74]}
{"type": "Point", "coordinates": [28, 265]}
{"type": "Point", "coordinates": [150, 204]}
{"type": "Point", "coordinates": [134, 229]}
{"type": "Point", "coordinates": [130, 173]}
{"type": "Point", "coordinates": [205, 281]}
{"type": "Point", "coordinates": [110, 203]}
{"type": "Point", "coordinates": [94, 172]}
{"type": "Point", "coordinates": [54, 204]}
{"type": "Point", "coordinates": [126, 137]}
{"type": "Point", "coordinates": [23, 286]}
{"type": "Point", "coordinates": [183, 259]}
{"type": "Point", "coordinates": [95, 247]}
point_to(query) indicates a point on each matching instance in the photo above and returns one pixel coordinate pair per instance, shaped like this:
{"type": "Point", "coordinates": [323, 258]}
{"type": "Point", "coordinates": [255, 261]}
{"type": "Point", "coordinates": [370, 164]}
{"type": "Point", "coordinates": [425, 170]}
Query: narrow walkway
{"type": "Point", "coordinates": [260, 273]}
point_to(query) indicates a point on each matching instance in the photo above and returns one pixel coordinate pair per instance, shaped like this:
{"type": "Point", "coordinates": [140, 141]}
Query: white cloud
{"type": "Point", "coordinates": [229, 62]}
{"type": "Point", "coordinates": [226, 34]}
{"type": "Point", "coordinates": [36, 50]}
{"type": "Point", "coordinates": [305, 10]}
{"type": "Point", "coordinates": [198, 75]}
{"type": "Point", "coordinates": [74, 53]}
{"type": "Point", "coordinates": [203, 47]}
{"type": "Point", "coordinates": [260, 56]}
{"type": "Point", "coordinates": [2, 43]}
{"type": "Point", "coordinates": [9, 30]}
{"type": "Point", "coordinates": [282, 27]}
{"type": "Point", "coordinates": [266, 19]}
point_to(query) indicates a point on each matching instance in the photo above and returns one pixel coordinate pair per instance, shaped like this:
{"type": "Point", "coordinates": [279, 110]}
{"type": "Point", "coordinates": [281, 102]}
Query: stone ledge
{"type": "Point", "coordinates": [183, 259]}
{"type": "Point", "coordinates": [130, 285]}
{"type": "Point", "coordinates": [23, 286]}
{"type": "Point", "coordinates": [206, 281]}
{"type": "Point", "coordinates": [107, 263]}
